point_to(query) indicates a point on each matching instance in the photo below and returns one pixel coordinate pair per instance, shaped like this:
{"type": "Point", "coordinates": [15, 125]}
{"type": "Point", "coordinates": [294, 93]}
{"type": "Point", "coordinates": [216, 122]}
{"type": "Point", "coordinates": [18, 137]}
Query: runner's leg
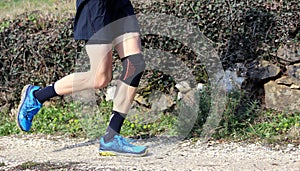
{"type": "Point", "coordinates": [129, 49]}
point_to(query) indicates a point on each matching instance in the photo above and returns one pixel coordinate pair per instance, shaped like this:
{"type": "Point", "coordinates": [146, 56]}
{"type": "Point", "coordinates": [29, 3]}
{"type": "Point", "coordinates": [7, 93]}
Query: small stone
{"type": "Point", "coordinates": [293, 86]}
{"type": "Point", "coordinates": [179, 96]}
{"type": "Point", "coordinates": [183, 86]}
{"type": "Point", "coordinates": [140, 99]}
{"type": "Point", "coordinates": [200, 86]}
{"type": "Point", "coordinates": [186, 144]}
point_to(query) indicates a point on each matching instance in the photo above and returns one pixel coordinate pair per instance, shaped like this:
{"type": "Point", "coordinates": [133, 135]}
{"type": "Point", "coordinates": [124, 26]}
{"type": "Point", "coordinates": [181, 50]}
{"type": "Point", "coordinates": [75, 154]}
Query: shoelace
{"type": "Point", "coordinates": [122, 141]}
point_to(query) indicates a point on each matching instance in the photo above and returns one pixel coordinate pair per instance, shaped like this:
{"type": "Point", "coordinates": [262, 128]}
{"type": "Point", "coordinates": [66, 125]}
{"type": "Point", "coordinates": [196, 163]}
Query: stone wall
{"type": "Point", "coordinates": [283, 93]}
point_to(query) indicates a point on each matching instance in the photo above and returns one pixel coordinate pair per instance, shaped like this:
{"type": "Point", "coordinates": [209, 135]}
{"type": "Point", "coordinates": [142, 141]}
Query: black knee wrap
{"type": "Point", "coordinates": [133, 68]}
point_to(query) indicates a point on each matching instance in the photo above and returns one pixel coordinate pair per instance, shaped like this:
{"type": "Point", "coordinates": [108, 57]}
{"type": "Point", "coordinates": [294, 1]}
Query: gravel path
{"type": "Point", "coordinates": [60, 153]}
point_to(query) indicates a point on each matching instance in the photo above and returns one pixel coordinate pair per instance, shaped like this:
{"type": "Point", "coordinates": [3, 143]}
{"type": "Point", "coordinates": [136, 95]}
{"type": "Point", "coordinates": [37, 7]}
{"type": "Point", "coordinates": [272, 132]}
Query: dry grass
{"type": "Point", "coordinates": [11, 8]}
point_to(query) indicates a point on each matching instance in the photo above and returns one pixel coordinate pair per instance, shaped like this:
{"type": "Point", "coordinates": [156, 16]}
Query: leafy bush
{"type": "Point", "coordinates": [238, 27]}
{"type": "Point", "coordinates": [36, 50]}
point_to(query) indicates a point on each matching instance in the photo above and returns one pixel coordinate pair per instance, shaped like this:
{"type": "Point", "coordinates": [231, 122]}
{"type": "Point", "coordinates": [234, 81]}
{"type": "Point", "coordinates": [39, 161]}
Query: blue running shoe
{"type": "Point", "coordinates": [29, 106]}
{"type": "Point", "coordinates": [119, 146]}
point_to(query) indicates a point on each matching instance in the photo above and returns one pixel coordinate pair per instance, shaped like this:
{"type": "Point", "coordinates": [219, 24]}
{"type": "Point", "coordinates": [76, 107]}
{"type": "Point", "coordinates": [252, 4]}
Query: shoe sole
{"type": "Point", "coordinates": [113, 153]}
{"type": "Point", "coordinates": [23, 95]}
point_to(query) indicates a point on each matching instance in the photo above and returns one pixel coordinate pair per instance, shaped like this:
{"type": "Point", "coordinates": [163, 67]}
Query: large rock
{"type": "Point", "coordinates": [281, 97]}
{"type": "Point", "coordinates": [263, 70]}
{"type": "Point", "coordinates": [162, 102]}
{"type": "Point", "coordinates": [288, 81]}
{"type": "Point", "coordinates": [289, 53]}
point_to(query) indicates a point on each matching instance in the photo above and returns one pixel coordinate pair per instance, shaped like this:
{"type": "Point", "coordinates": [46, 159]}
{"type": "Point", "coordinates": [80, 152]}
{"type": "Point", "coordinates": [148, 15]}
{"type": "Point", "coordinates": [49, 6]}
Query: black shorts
{"type": "Point", "coordinates": [101, 21]}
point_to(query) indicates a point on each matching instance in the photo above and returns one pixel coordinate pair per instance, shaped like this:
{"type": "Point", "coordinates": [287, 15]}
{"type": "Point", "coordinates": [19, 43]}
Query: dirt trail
{"type": "Point", "coordinates": [60, 153]}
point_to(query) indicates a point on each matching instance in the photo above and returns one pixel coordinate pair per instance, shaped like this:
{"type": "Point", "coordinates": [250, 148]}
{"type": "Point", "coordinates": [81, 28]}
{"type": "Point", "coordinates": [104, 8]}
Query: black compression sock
{"type": "Point", "coordinates": [45, 94]}
{"type": "Point", "coordinates": [115, 124]}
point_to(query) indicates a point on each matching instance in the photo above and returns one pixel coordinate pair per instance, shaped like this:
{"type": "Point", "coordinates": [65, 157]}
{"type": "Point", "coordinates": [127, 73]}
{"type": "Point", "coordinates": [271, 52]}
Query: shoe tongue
{"type": "Point", "coordinates": [118, 137]}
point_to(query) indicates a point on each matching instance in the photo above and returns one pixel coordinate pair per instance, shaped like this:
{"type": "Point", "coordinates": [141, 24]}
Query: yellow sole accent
{"type": "Point", "coordinates": [107, 153]}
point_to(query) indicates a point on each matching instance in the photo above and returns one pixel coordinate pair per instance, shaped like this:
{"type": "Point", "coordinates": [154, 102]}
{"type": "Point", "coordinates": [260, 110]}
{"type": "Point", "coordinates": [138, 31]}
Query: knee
{"type": "Point", "coordinates": [100, 84]}
{"type": "Point", "coordinates": [101, 81]}
{"type": "Point", "coordinates": [133, 68]}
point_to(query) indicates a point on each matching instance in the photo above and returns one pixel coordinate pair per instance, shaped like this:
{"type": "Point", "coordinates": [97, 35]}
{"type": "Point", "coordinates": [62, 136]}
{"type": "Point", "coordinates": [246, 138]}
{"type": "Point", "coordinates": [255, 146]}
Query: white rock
{"type": "Point", "coordinates": [290, 145]}
{"type": "Point", "coordinates": [200, 86]}
{"type": "Point", "coordinates": [110, 93]}
{"type": "Point", "coordinates": [294, 86]}
{"type": "Point", "coordinates": [179, 96]}
{"type": "Point", "coordinates": [183, 86]}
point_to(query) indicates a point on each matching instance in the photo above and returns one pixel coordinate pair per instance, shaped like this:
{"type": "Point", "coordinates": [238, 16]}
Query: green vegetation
{"type": "Point", "coordinates": [242, 120]}
{"type": "Point", "coordinates": [245, 119]}
{"type": "Point", "coordinates": [73, 120]}
{"type": "Point", "coordinates": [49, 120]}
{"type": "Point", "coordinates": [28, 165]}
{"type": "Point", "coordinates": [11, 8]}
{"type": "Point", "coordinates": [138, 128]}
{"type": "Point", "coordinates": [274, 125]}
